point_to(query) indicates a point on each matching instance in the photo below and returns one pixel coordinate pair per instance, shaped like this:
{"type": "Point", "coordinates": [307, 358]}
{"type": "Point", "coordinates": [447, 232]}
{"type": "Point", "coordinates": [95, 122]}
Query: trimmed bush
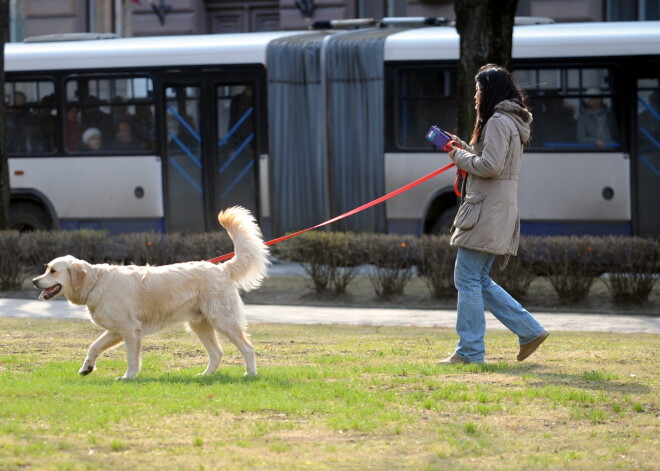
{"type": "Point", "coordinates": [40, 247]}
{"type": "Point", "coordinates": [88, 245]}
{"type": "Point", "coordinates": [140, 248]}
{"type": "Point", "coordinates": [436, 265]}
{"type": "Point", "coordinates": [11, 273]}
{"type": "Point", "coordinates": [204, 246]}
{"type": "Point", "coordinates": [632, 266]}
{"type": "Point", "coordinates": [571, 265]}
{"type": "Point", "coordinates": [329, 258]}
{"type": "Point", "coordinates": [391, 257]}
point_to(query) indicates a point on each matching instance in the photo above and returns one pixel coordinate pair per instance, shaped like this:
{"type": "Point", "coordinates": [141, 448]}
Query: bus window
{"type": "Point", "coordinates": [31, 125]}
{"type": "Point", "coordinates": [120, 110]}
{"type": "Point", "coordinates": [426, 96]}
{"type": "Point", "coordinates": [573, 108]}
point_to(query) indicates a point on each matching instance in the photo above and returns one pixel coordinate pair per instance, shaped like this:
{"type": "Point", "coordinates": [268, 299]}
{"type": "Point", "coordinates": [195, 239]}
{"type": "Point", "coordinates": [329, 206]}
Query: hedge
{"type": "Point", "coordinates": [628, 266]}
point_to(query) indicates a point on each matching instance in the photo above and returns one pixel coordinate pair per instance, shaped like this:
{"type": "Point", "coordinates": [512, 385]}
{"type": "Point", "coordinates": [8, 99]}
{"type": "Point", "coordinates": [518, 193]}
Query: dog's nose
{"type": "Point", "coordinates": [34, 282]}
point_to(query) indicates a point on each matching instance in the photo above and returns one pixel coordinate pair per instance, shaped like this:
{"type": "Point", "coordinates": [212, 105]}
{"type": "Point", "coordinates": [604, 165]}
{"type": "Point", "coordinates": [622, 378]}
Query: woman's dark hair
{"type": "Point", "coordinates": [496, 85]}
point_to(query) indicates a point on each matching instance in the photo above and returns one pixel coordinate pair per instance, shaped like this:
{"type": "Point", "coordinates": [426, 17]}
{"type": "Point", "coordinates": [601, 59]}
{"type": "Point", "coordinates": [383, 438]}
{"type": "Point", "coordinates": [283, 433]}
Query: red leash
{"type": "Point", "coordinates": [403, 189]}
{"type": "Point", "coordinates": [462, 173]}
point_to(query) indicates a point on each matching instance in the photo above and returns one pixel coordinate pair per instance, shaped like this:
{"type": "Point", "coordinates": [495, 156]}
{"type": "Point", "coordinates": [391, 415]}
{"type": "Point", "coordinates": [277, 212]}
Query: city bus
{"type": "Point", "coordinates": [159, 134]}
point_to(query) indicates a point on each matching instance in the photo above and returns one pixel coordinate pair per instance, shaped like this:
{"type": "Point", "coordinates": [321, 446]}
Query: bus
{"type": "Point", "coordinates": [159, 134]}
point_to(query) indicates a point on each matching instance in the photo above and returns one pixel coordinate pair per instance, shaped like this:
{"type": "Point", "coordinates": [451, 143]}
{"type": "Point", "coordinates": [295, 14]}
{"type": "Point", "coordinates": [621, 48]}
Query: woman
{"type": "Point", "coordinates": [487, 223]}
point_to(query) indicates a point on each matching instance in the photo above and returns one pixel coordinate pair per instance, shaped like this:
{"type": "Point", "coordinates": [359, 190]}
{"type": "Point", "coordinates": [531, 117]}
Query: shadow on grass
{"type": "Point", "coordinates": [539, 375]}
{"type": "Point", "coordinates": [545, 378]}
{"type": "Point", "coordinates": [192, 378]}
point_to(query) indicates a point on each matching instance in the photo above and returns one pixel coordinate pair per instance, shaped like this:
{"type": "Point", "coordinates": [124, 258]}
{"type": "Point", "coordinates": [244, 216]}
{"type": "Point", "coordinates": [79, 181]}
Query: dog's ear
{"type": "Point", "coordinates": [77, 275]}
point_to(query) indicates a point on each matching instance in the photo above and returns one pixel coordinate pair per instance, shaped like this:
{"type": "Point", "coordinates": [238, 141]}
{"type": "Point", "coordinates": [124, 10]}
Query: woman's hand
{"type": "Point", "coordinates": [452, 152]}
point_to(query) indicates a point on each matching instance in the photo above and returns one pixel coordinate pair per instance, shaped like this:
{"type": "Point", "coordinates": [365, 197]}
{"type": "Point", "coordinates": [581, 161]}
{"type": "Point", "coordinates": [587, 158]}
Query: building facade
{"type": "Point", "coordinates": [172, 17]}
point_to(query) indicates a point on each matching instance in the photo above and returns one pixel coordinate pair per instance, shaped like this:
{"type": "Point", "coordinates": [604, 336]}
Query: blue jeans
{"type": "Point", "coordinates": [476, 291]}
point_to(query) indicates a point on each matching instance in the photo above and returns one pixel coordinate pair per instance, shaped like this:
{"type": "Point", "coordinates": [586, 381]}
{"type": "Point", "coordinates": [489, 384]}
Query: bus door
{"type": "Point", "coordinates": [647, 164]}
{"type": "Point", "coordinates": [210, 152]}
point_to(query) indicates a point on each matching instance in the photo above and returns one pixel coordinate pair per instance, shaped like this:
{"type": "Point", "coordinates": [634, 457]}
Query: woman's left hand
{"type": "Point", "coordinates": [452, 152]}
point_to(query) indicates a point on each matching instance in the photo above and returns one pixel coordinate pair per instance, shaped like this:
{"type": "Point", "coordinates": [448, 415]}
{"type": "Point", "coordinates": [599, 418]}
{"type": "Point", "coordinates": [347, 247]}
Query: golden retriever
{"type": "Point", "coordinates": [131, 302]}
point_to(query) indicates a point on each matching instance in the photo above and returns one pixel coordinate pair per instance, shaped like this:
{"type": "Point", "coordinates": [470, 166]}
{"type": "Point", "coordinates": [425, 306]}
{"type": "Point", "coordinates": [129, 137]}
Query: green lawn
{"type": "Point", "coordinates": [328, 397]}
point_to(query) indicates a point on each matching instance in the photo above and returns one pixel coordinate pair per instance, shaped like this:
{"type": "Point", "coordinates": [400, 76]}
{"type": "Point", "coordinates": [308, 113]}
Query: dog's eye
{"type": "Point", "coordinates": [52, 270]}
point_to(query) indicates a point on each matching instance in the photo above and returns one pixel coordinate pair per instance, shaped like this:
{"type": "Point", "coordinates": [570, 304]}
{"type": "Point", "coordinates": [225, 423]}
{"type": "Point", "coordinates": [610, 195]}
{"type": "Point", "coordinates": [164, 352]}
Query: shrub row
{"type": "Point", "coordinates": [627, 265]}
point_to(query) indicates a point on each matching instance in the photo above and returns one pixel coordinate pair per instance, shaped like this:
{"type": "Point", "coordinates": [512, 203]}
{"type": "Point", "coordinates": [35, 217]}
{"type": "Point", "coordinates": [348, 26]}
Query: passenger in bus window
{"type": "Point", "coordinates": [92, 139]}
{"type": "Point", "coordinates": [92, 116]}
{"type": "Point", "coordinates": [596, 124]}
{"type": "Point", "coordinates": [73, 129]}
{"type": "Point", "coordinates": [555, 122]}
{"type": "Point", "coordinates": [124, 137]}
{"type": "Point", "coordinates": [143, 126]}
{"type": "Point", "coordinates": [119, 110]}
{"type": "Point", "coordinates": [487, 223]}
{"type": "Point", "coordinates": [21, 126]}
{"type": "Point", "coordinates": [241, 116]}
{"type": "Point", "coordinates": [47, 123]}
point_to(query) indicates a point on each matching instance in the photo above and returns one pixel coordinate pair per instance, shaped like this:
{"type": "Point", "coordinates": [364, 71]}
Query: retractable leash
{"type": "Point", "coordinates": [446, 142]}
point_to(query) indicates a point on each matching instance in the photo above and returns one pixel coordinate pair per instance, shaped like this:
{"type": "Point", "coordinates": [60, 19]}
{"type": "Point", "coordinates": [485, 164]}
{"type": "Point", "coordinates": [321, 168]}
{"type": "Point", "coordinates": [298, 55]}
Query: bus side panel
{"type": "Point", "coordinates": [93, 188]}
{"type": "Point", "coordinates": [575, 187]}
{"type": "Point", "coordinates": [406, 212]}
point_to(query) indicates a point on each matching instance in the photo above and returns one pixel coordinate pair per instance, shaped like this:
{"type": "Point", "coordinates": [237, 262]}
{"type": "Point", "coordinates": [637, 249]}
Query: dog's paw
{"type": "Point", "coordinates": [86, 369]}
{"type": "Point", "coordinates": [249, 375]}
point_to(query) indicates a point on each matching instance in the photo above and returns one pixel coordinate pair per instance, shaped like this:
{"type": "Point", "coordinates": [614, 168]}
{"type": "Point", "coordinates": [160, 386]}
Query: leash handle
{"type": "Point", "coordinates": [450, 145]}
{"type": "Point", "coordinates": [459, 173]}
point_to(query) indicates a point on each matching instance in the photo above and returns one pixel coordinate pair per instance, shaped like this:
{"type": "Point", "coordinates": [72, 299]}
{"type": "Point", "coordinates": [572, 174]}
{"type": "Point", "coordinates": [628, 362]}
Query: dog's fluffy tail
{"type": "Point", "coordinates": [250, 263]}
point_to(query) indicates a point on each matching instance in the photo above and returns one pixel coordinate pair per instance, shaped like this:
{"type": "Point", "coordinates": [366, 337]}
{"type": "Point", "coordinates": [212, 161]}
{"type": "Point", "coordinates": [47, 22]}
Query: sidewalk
{"type": "Point", "coordinates": [298, 314]}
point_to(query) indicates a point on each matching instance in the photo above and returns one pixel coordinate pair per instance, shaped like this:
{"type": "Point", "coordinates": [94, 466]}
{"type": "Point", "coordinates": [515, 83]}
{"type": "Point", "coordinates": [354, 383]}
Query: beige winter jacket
{"type": "Point", "coordinates": [488, 219]}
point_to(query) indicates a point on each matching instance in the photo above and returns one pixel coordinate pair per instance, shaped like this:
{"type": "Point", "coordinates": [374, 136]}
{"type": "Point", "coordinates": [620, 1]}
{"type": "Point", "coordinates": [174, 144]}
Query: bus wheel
{"type": "Point", "coordinates": [443, 224]}
{"type": "Point", "coordinates": [26, 217]}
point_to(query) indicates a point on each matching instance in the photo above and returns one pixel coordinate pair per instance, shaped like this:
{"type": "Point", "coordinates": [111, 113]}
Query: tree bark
{"type": "Point", "coordinates": [486, 31]}
{"type": "Point", "coordinates": [4, 164]}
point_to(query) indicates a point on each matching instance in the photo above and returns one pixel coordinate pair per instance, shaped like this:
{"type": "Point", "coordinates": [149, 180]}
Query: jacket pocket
{"type": "Point", "coordinates": [468, 213]}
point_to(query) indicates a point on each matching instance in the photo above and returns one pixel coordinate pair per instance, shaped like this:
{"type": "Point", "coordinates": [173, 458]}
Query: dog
{"type": "Point", "coordinates": [131, 302]}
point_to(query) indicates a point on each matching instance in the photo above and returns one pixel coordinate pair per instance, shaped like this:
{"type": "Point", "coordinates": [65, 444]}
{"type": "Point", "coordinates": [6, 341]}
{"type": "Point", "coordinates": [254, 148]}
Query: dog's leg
{"type": "Point", "coordinates": [133, 343]}
{"type": "Point", "coordinates": [207, 335]}
{"type": "Point", "coordinates": [105, 341]}
{"type": "Point", "coordinates": [236, 335]}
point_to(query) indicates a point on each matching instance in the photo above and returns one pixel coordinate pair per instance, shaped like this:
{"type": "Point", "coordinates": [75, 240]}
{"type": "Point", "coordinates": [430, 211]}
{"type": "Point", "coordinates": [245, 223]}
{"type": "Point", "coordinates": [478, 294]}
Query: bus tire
{"type": "Point", "coordinates": [26, 217]}
{"type": "Point", "coordinates": [442, 225]}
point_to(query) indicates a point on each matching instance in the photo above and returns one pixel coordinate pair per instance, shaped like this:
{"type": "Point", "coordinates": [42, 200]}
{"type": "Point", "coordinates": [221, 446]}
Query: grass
{"type": "Point", "coordinates": [328, 397]}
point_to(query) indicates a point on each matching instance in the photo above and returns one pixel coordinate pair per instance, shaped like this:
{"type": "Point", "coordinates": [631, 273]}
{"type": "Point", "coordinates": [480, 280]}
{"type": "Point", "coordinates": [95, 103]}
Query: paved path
{"type": "Point", "coordinates": [354, 316]}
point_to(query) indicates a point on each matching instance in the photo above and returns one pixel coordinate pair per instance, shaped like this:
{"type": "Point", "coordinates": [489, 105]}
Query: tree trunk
{"type": "Point", "coordinates": [486, 30]}
{"type": "Point", "coordinates": [4, 165]}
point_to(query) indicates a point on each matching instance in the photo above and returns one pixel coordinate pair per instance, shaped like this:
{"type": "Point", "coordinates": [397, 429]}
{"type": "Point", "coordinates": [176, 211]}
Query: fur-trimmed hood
{"type": "Point", "coordinates": [520, 116]}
